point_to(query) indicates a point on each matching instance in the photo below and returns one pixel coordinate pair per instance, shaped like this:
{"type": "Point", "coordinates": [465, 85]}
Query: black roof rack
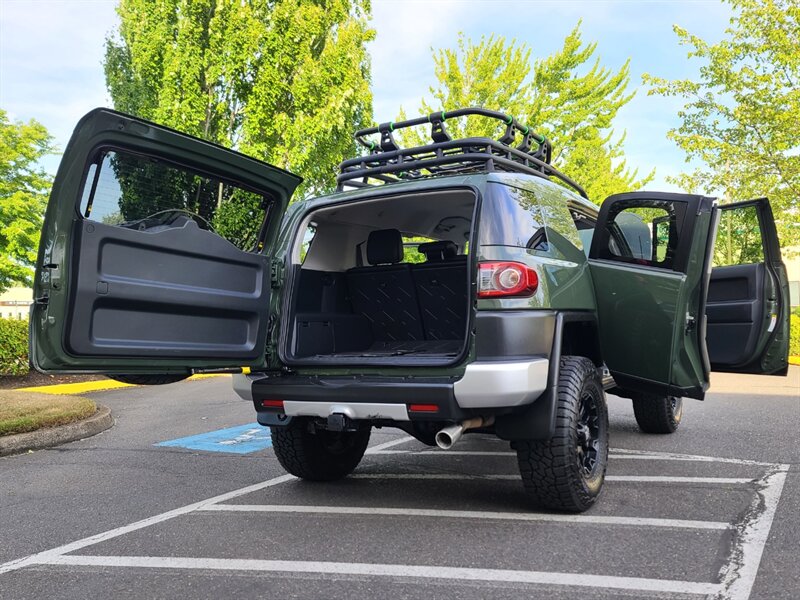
{"type": "Point", "coordinates": [387, 162]}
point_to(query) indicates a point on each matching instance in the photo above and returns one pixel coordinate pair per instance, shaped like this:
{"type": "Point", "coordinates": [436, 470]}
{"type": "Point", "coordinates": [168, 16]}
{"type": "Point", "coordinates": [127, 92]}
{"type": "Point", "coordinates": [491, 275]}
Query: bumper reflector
{"type": "Point", "coordinates": [272, 404]}
{"type": "Point", "coordinates": [429, 408]}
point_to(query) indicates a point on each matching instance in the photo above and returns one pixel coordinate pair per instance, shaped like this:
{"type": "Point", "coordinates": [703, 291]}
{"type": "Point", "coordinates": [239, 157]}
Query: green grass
{"type": "Point", "coordinates": [21, 412]}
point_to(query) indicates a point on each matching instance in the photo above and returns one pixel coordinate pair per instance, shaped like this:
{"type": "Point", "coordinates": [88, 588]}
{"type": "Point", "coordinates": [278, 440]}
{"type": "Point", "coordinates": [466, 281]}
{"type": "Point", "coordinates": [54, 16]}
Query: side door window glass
{"type": "Point", "coordinates": [149, 194]}
{"type": "Point", "coordinates": [645, 235]}
{"type": "Point", "coordinates": [739, 239]}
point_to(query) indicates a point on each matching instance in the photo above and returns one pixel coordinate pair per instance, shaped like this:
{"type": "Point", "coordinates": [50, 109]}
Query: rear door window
{"type": "Point", "coordinates": [147, 194]}
{"type": "Point", "coordinates": [644, 232]}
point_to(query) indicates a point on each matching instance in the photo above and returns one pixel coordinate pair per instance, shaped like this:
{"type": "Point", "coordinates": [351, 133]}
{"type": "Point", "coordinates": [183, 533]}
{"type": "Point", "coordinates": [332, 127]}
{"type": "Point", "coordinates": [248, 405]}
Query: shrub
{"type": "Point", "coordinates": [794, 336]}
{"type": "Point", "coordinates": [13, 347]}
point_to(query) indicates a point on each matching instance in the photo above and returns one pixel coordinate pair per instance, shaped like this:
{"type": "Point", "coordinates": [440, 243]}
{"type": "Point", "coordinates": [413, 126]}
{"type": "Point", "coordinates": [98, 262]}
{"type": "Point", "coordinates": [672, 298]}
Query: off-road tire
{"type": "Point", "coordinates": [656, 414]}
{"type": "Point", "coordinates": [318, 455]}
{"type": "Point", "coordinates": [553, 471]}
{"type": "Point", "coordinates": [148, 379]}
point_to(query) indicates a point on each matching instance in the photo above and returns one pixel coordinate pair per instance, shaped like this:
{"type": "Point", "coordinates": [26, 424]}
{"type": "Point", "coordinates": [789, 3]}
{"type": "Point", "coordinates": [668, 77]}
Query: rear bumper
{"type": "Point", "coordinates": [510, 377]}
{"type": "Point", "coordinates": [484, 385]}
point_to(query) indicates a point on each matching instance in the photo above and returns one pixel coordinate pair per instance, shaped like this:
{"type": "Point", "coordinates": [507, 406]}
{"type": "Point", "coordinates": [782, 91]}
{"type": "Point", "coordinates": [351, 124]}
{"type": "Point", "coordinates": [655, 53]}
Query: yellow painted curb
{"type": "Point", "coordinates": [97, 386]}
{"type": "Point", "coordinates": [77, 388]}
{"type": "Point", "coordinates": [794, 360]}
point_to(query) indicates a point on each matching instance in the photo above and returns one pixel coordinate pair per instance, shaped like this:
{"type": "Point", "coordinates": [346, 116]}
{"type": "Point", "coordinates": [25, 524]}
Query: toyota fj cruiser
{"type": "Point", "coordinates": [463, 285]}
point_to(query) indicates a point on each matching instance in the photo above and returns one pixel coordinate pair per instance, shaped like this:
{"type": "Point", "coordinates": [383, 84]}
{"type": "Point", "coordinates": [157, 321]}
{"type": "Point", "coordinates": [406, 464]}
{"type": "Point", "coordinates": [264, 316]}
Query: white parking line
{"type": "Point", "coordinates": [41, 557]}
{"type": "Point", "coordinates": [426, 572]}
{"type": "Point", "coordinates": [447, 452]}
{"type": "Point", "coordinates": [380, 447]}
{"type": "Point", "coordinates": [616, 453]}
{"type": "Point", "coordinates": [736, 577]}
{"type": "Point", "coordinates": [468, 514]}
{"type": "Point", "coordinates": [739, 573]}
{"type": "Point", "coordinates": [45, 556]}
{"type": "Point", "coordinates": [619, 478]}
{"type": "Point", "coordinates": [646, 455]}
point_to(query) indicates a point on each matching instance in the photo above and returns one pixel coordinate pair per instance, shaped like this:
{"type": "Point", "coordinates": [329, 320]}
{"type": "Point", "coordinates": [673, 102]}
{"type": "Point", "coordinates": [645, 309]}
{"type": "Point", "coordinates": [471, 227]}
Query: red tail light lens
{"type": "Point", "coordinates": [506, 279]}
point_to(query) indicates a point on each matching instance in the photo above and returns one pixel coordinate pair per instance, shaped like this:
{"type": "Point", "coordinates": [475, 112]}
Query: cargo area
{"type": "Point", "coordinates": [382, 281]}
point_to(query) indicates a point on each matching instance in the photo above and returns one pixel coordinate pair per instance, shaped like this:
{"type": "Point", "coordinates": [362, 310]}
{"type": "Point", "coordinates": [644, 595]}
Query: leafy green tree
{"type": "Point", "coordinates": [740, 118]}
{"type": "Point", "coordinates": [568, 96]}
{"type": "Point", "coordinates": [285, 81]}
{"type": "Point", "coordinates": [24, 188]}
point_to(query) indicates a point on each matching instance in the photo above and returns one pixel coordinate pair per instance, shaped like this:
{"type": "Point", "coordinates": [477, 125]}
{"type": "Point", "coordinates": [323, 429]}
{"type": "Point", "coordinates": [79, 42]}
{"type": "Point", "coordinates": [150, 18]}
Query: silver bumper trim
{"type": "Point", "coordinates": [243, 385]}
{"type": "Point", "coordinates": [355, 411]}
{"type": "Point", "coordinates": [500, 384]}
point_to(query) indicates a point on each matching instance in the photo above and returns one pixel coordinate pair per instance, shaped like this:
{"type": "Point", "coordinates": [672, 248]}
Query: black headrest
{"type": "Point", "coordinates": [384, 247]}
{"type": "Point", "coordinates": [438, 251]}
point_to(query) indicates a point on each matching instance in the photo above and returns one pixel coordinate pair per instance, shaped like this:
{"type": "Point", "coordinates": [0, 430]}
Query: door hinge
{"type": "Point", "coordinates": [690, 322]}
{"type": "Point", "coordinates": [53, 276]}
{"type": "Point", "coordinates": [276, 273]}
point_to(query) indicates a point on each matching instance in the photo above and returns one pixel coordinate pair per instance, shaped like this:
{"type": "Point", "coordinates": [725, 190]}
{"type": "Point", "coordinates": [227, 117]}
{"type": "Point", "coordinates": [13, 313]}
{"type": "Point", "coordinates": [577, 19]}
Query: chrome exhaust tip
{"type": "Point", "coordinates": [449, 436]}
{"type": "Point", "coordinates": [445, 438]}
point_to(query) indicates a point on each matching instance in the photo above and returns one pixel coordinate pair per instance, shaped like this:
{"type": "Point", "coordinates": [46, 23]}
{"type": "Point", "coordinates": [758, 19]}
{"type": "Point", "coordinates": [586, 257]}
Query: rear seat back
{"type": "Point", "coordinates": [441, 287]}
{"type": "Point", "coordinates": [384, 292]}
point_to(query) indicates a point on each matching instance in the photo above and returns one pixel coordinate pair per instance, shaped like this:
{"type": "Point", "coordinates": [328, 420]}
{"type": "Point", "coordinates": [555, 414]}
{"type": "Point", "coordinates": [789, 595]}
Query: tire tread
{"type": "Point", "coordinates": [301, 453]}
{"type": "Point", "coordinates": [548, 471]}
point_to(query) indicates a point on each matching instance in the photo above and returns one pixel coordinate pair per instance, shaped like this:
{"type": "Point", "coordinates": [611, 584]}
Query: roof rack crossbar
{"type": "Point", "coordinates": [450, 114]}
{"type": "Point", "coordinates": [379, 171]}
{"type": "Point", "coordinates": [388, 162]}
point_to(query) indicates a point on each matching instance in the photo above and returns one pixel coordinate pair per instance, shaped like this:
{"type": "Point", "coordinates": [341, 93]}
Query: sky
{"type": "Point", "coordinates": [51, 56]}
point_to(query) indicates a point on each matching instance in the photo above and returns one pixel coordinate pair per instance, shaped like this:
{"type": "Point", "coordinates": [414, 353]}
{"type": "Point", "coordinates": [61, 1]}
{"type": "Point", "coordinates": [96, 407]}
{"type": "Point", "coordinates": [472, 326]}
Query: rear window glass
{"type": "Point", "coordinates": [512, 217]}
{"type": "Point", "coordinates": [411, 253]}
{"type": "Point", "coordinates": [146, 193]}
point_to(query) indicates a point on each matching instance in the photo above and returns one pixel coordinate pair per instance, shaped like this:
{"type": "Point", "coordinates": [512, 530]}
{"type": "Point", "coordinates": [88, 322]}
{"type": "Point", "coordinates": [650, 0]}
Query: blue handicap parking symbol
{"type": "Point", "coordinates": [239, 440]}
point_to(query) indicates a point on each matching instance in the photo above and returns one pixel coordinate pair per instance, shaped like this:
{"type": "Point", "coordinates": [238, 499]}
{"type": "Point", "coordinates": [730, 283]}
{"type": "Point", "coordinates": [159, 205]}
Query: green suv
{"type": "Point", "coordinates": [461, 286]}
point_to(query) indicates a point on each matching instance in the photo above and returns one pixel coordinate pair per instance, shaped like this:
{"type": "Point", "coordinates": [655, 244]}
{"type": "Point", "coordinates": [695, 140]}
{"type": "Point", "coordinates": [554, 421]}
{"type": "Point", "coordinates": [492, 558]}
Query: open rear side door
{"type": "Point", "coordinates": [155, 253]}
{"type": "Point", "coordinates": [748, 293]}
{"type": "Point", "coordinates": [648, 264]}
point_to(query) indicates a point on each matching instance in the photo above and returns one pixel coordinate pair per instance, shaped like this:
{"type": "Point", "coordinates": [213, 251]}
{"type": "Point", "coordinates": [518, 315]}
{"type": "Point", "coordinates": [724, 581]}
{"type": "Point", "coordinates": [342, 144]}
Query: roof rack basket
{"type": "Point", "coordinates": [387, 162]}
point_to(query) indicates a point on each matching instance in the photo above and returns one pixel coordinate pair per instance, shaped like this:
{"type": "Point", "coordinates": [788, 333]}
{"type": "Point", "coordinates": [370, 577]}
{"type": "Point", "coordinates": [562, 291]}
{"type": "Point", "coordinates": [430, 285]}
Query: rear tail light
{"type": "Point", "coordinates": [505, 279]}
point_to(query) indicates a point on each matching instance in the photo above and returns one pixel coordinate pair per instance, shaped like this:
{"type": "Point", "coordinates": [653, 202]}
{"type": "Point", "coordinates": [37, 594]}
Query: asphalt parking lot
{"type": "Point", "coordinates": [711, 511]}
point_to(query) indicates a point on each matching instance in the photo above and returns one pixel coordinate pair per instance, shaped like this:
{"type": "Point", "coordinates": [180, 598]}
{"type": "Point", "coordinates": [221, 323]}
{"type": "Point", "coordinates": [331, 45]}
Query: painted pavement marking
{"type": "Point", "coordinates": [735, 581]}
{"type": "Point", "coordinates": [470, 514]}
{"type": "Point", "coordinates": [407, 571]}
{"type": "Point", "coordinates": [242, 439]}
{"type": "Point", "coordinates": [617, 478]}
{"type": "Point", "coordinates": [47, 556]}
{"type": "Point", "coordinates": [98, 385]}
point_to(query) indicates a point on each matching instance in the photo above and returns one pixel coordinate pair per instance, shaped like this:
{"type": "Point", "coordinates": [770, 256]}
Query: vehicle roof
{"type": "Point", "coordinates": [475, 180]}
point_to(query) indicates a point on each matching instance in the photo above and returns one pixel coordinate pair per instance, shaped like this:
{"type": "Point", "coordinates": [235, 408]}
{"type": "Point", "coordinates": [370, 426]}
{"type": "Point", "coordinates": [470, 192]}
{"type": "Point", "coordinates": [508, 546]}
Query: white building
{"type": "Point", "coordinates": [14, 303]}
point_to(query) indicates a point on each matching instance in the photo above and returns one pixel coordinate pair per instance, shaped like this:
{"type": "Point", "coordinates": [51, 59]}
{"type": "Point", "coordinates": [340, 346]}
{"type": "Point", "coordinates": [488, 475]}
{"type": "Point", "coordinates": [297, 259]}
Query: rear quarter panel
{"type": "Point", "coordinates": [564, 279]}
